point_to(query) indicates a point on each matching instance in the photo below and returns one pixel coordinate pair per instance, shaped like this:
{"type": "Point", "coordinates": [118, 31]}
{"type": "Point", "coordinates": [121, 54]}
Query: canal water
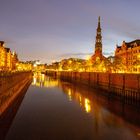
{"type": "Point", "coordinates": [56, 110]}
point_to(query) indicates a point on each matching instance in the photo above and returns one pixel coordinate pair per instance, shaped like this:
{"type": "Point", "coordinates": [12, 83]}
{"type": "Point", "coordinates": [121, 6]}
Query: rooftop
{"type": "Point", "coordinates": [131, 44]}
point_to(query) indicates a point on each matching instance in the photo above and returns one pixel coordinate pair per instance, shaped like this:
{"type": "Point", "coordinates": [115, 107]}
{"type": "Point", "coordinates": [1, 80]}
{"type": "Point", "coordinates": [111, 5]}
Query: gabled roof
{"type": "Point", "coordinates": [119, 47]}
{"type": "Point", "coordinates": [1, 42]}
{"type": "Point", "coordinates": [131, 44]}
{"type": "Point", "coordinates": [7, 49]}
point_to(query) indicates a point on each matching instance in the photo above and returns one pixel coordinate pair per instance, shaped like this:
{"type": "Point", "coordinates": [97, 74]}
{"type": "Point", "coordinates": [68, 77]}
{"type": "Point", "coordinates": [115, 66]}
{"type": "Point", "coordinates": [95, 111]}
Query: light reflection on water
{"type": "Point", "coordinates": [40, 80]}
{"type": "Point", "coordinates": [93, 104]}
{"type": "Point", "coordinates": [84, 102]}
{"type": "Point", "coordinates": [69, 112]}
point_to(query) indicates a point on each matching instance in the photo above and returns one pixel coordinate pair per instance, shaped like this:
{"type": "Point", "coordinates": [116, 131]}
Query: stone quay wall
{"type": "Point", "coordinates": [11, 84]}
{"type": "Point", "coordinates": [126, 86]}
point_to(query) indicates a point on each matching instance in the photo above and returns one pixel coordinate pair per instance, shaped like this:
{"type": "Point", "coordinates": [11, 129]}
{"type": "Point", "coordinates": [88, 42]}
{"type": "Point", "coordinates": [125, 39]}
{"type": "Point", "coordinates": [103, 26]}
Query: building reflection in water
{"type": "Point", "coordinates": [92, 103]}
{"type": "Point", "coordinates": [104, 111]}
{"type": "Point", "coordinates": [40, 80]}
{"type": "Point", "coordinates": [8, 116]}
{"type": "Point", "coordinates": [87, 105]}
{"type": "Point", "coordinates": [96, 112]}
{"type": "Point", "coordinates": [72, 94]}
{"type": "Point", "coordinates": [69, 95]}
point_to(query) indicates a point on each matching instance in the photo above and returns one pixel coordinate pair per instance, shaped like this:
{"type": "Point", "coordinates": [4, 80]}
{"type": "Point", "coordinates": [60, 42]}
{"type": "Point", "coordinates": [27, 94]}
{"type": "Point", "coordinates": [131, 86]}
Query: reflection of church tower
{"type": "Point", "coordinates": [98, 44]}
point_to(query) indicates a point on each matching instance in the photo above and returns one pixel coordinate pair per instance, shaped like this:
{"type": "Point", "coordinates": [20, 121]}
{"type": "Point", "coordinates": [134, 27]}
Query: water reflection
{"type": "Point", "coordinates": [87, 105]}
{"type": "Point", "coordinates": [99, 108]}
{"type": "Point", "coordinates": [84, 102]}
{"type": "Point", "coordinates": [40, 80]}
{"type": "Point", "coordinates": [64, 111]}
{"type": "Point", "coordinates": [7, 117]}
{"type": "Point", "coordinates": [91, 102]}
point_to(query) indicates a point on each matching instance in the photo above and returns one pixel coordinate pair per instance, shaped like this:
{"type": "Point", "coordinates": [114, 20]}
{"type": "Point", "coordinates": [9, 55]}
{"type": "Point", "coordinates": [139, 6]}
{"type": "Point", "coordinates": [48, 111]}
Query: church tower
{"type": "Point", "coordinates": [98, 43]}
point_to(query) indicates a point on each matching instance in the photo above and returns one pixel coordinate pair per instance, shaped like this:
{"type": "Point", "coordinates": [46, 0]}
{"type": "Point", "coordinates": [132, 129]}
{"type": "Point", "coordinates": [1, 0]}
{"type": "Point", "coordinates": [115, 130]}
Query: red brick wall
{"type": "Point", "coordinates": [103, 78]}
{"type": "Point", "coordinates": [85, 77]}
{"type": "Point", "coordinates": [126, 81]}
{"type": "Point", "coordinates": [131, 81]}
{"type": "Point", "coordinates": [93, 78]}
{"type": "Point", "coordinates": [116, 80]}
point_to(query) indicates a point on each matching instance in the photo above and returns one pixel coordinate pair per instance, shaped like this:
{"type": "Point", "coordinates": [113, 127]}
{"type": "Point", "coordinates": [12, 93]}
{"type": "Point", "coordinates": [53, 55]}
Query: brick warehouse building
{"type": "Point", "coordinates": [129, 53]}
{"type": "Point", "coordinates": [8, 59]}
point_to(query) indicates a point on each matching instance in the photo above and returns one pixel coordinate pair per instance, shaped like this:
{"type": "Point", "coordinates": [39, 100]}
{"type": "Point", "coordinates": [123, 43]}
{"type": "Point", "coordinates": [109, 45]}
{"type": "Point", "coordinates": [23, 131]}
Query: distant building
{"type": "Point", "coordinates": [24, 66]}
{"type": "Point", "coordinates": [14, 60]}
{"type": "Point", "coordinates": [2, 55]}
{"type": "Point", "coordinates": [111, 59]}
{"type": "Point", "coordinates": [8, 62]}
{"type": "Point", "coordinates": [129, 53]}
{"type": "Point", "coordinates": [71, 64]}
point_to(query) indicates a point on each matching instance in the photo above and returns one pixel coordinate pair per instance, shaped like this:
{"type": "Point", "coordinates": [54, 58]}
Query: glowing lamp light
{"type": "Point", "coordinates": [87, 105]}
{"type": "Point", "coordinates": [35, 65]}
{"type": "Point", "coordinates": [88, 57]}
{"type": "Point", "coordinates": [70, 61]}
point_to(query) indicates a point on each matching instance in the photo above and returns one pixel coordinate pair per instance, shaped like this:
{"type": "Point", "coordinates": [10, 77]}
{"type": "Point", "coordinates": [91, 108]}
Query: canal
{"type": "Point", "coordinates": [56, 110]}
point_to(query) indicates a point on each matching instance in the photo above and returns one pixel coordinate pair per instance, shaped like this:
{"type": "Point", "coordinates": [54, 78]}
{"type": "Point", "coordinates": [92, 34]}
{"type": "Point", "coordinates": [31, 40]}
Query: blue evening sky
{"type": "Point", "coordinates": [49, 30]}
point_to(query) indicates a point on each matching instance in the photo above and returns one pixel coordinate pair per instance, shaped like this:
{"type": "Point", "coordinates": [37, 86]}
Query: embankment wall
{"type": "Point", "coordinates": [11, 85]}
{"type": "Point", "coordinates": [126, 86]}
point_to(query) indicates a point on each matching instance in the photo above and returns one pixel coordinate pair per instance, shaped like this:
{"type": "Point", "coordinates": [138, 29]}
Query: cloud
{"type": "Point", "coordinates": [82, 55]}
{"type": "Point", "coordinates": [108, 53]}
{"type": "Point", "coordinates": [74, 54]}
